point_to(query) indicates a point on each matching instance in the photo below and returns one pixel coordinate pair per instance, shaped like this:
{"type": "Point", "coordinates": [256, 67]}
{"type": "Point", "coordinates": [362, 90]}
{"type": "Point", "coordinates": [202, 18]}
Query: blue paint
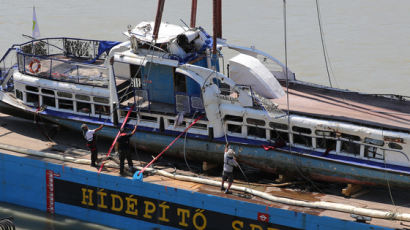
{"type": "Point", "coordinates": [193, 88]}
{"type": "Point", "coordinates": [160, 83]}
{"type": "Point", "coordinates": [15, 188]}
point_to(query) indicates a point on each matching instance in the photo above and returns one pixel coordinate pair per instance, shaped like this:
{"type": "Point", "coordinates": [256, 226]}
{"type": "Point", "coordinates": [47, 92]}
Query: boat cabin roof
{"type": "Point", "coordinates": [364, 109]}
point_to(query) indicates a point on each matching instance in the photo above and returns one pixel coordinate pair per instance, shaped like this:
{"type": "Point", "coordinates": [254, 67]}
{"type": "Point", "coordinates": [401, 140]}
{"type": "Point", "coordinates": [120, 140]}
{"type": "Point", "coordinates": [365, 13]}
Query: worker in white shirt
{"type": "Point", "coordinates": [89, 135]}
{"type": "Point", "coordinates": [229, 163]}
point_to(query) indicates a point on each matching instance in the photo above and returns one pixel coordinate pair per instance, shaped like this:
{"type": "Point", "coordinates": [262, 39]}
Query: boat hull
{"type": "Point", "coordinates": [330, 168]}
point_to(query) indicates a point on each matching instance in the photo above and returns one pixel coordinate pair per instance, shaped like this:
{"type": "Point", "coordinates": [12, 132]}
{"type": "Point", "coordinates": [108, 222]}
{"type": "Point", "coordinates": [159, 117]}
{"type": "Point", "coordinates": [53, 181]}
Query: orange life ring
{"type": "Point", "coordinates": [34, 60]}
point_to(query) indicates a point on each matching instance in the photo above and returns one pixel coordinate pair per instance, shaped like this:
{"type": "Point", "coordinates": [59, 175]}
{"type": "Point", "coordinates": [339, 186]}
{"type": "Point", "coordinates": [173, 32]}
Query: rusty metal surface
{"type": "Point", "coordinates": [347, 106]}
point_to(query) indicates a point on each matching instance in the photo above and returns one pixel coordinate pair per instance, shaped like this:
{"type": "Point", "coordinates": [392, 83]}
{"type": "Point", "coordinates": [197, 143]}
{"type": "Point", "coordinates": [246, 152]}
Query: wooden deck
{"type": "Point", "coordinates": [370, 110]}
{"type": "Point", "coordinates": [24, 133]}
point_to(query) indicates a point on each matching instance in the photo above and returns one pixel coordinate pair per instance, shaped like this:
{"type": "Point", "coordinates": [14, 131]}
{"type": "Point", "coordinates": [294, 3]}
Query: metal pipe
{"type": "Point", "coordinates": [158, 18]}
{"type": "Point", "coordinates": [193, 13]}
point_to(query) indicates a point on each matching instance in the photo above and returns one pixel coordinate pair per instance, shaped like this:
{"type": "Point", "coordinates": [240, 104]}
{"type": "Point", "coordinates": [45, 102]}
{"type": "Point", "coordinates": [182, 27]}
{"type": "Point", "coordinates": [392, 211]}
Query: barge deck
{"type": "Point", "coordinates": [26, 134]}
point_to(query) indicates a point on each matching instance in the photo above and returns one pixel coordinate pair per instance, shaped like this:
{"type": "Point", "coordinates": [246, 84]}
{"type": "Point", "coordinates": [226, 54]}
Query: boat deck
{"type": "Point", "coordinates": [370, 110]}
{"type": "Point", "coordinates": [20, 132]}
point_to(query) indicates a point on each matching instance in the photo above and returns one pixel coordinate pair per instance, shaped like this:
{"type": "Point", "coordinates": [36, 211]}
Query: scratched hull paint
{"type": "Point", "coordinates": [333, 168]}
{"type": "Point", "coordinates": [123, 203]}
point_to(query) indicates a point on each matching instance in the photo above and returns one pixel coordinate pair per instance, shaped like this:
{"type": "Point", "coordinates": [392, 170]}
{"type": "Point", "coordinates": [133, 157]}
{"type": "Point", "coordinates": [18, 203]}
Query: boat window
{"type": "Point", "coordinates": [325, 133]}
{"type": "Point", "coordinates": [135, 71]}
{"type": "Point", "coordinates": [102, 109]}
{"type": "Point", "coordinates": [302, 140]}
{"type": "Point", "coordinates": [65, 104]}
{"type": "Point", "coordinates": [31, 88]}
{"type": "Point", "coordinates": [102, 100]}
{"type": "Point", "coordinates": [32, 98]}
{"type": "Point", "coordinates": [19, 94]}
{"type": "Point", "coordinates": [373, 152]}
{"type": "Point", "coordinates": [83, 107]}
{"type": "Point", "coordinates": [256, 132]}
{"type": "Point", "coordinates": [234, 128]}
{"type": "Point", "coordinates": [47, 91]}
{"type": "Point", "coordinates": [49, 101]}
{"type": "Point", "coordinates": [350, 137]}
{"type": "Point", "coordinates": [123, 113]}
{"type": "Point", "coordinates": [373, 141]}
{"type": "Point", "coordinates": [301, 130]}
{"type": "Point", "coordinates": [149, 119]}
{"type": "Point", "coordinates": [171, 122]}
{"type": "Point", "coordinates": [350, 147]}
{"type": "Point", "coordinates": [278, 135]}
{"type": "Point", "coordinates": [274, 125]}
{"type": "Point", "coordinates": [323, 143]}
{"type": "Point", "coordinates": [395, 146]}
{"type": "Point", "coordinates": [200, 126]}
{"type": "Point", "coordinates": [64, 94]}
{"type": "Point", "coordinates": [253, 121]}
{"type": "Point", "coordinates": [82, 97]}
{"type": "Point", "coordinates": [180, 83]}
{"type": "Point", "coordinates": [233, 118]}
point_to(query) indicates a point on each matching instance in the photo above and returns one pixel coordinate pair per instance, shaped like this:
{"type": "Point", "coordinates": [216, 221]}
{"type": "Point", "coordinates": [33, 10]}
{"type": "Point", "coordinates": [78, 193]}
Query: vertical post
{"type": "Point", "coordinates": [215, 25]}
{"type": "Point", "coordinates": [219, 15]}
{"type": "Point", "coordinates": [158, 18]}
{"type": "Point", "coordinates": [193, 13]}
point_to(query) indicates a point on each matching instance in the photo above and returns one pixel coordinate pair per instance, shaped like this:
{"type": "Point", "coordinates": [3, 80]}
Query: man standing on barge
{"type": "Point", "coordinates": [124, 149]}
{"type": "Point", "coordinates": [229, 163]}
{"type": "Point", "coordinates": [89, 135]}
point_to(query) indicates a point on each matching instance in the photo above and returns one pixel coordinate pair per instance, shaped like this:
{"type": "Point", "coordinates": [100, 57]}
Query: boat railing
{"type": "Point", "coordinates": [71, 47]}
{"type": "Point", "coordinates": [61, 58]}
{"type": "Point", "coordinates": [7, 63]}
{"type": "Point", "coordinates": [60, 69]}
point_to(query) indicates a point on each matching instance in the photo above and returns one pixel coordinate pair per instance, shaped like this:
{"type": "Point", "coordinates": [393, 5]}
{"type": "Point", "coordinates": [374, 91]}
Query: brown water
{"type": "Point", "coordinates": [367, 40]}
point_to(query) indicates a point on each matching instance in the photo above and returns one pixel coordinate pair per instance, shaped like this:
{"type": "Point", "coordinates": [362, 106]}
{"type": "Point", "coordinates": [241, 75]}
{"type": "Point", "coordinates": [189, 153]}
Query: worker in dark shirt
{"type": "Point", "coordinates": [124, 147]}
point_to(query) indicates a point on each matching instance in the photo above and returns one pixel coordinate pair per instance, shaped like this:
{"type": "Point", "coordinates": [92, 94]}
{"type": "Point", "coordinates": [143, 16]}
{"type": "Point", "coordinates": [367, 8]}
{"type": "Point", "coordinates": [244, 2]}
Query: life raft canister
{"type": "Point", "coordinates": [38, 65]}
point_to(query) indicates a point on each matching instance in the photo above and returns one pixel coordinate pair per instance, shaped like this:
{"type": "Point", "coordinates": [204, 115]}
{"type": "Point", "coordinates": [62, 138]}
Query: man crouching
{"type": "Point", "coordinates": [229, 163]}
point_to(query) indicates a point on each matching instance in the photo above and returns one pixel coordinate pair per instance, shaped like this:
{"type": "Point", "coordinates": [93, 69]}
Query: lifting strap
{"type": "Point", "coordinates": [118, 134]}
{"type": "Point", "coordinates": [166, 148]}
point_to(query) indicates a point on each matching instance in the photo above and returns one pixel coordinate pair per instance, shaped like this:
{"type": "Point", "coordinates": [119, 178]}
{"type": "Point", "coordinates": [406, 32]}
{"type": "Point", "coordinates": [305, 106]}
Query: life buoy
{"type": "Point", "coordinates": [34, 60]}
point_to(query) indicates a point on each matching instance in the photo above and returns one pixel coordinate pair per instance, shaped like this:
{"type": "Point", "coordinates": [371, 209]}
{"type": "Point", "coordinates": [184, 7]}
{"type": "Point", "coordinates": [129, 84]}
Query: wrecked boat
{"type": "Point", "coordinates": [168, 75]}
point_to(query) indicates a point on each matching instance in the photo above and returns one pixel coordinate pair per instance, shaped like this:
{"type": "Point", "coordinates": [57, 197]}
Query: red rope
{"type": "Point", "coordinates": [115, 140]}
{"type": "Point", "coordinates": [166, 148]}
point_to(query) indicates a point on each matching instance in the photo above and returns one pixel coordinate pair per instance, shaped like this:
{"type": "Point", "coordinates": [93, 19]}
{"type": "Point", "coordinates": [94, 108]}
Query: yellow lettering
{"type": "Point", "coordinates": [131, 206]}
{"type": "Point", "coordinates": [101, 194]}
{"type": "Point", "coordinates": [273, 228]}
{"type": "Point", "coordinates": [88, 197]}
{"type": "Point", "coordinates": [199, 214]}
{"type": "Point", "coordinates": [114, 207]}
{"type": "Point", "coordinates": [149, 210]}
{"type": "Point", "coordinates": [164, 207]}
{"type": "Point", "coordinates": [254, 226]}
{"type": "Point", "coordinates": [235, 224]}
{"type": "Point", "coordinates": [184, 213]}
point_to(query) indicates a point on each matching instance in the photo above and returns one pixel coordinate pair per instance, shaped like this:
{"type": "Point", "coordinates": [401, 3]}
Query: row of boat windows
{"type": "Point", "coordinates": [64, 100]}
{"type": "Point", "coordinates": [324, 139]}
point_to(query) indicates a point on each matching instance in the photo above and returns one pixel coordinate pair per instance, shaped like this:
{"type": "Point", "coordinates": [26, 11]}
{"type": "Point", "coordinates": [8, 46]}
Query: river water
{"type": "Point", "coordinates": [368, 41]}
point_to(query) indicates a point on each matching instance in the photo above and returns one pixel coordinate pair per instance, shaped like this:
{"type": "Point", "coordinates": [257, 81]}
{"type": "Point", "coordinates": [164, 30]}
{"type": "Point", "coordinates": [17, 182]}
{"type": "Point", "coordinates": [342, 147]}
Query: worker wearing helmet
{"type": "Point", "coordinates": [229, 163]}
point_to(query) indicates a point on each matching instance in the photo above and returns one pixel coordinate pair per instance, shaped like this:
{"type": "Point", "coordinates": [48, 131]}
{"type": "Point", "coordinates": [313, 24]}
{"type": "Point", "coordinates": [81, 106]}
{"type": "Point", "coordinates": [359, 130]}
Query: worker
{"type": "Point", "coordinates": [89, 135]}
{"type": "Point", "coordinates": [229, 163]}
{"type": "Point", "coordinates": [123, 143]}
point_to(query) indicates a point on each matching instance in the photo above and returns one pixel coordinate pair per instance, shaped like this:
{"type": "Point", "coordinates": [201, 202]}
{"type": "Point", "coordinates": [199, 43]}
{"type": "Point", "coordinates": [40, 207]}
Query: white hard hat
{"type": "Point", "coordinates": [230, 153]}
